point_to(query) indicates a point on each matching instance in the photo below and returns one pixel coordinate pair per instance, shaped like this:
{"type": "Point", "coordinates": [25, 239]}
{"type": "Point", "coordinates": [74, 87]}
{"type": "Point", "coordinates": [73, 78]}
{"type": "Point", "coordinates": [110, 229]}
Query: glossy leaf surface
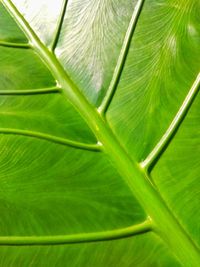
{"type": "Point", "coordinates": [99, 133]}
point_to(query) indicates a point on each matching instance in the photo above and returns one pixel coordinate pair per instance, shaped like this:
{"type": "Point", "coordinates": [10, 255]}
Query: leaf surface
{"type": "Point", "coordinates": [99, 115]}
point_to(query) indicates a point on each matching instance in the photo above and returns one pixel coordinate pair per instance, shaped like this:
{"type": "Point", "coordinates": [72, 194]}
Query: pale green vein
{"type": "Point", "coordinates": [176, 122]}
{"type": "Point", "coordinates": [31, 91]}
{"type": "Point", "coordinates": [59, 26]}
{"type": "Point", "coordinates": [15, 45]}
{"type": "Point", "coordinates": [78, 238]}
{"type": "Point", "coordinates": [51, 138]}
{"type": "Point", "coordinates": [121, 59]}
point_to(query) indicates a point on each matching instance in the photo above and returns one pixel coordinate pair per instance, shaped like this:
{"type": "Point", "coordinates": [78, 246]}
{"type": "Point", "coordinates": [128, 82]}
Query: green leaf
{"type": "Point", "coordinates": [99, 133]}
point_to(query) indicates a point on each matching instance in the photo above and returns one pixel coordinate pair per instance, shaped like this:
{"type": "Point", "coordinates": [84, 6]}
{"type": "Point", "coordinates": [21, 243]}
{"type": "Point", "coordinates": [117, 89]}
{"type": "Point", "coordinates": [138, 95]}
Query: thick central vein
{"type": "Point", "coordinates": [165, 223]}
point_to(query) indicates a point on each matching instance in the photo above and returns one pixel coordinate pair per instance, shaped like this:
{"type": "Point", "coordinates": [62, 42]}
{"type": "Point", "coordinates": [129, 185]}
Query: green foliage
{"type": "Point", "coordinates": [99, 133]}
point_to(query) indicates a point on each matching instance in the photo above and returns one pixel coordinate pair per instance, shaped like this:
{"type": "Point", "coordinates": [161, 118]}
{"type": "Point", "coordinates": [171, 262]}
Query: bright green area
{"type": "Point", "coordinates": [97, 87]}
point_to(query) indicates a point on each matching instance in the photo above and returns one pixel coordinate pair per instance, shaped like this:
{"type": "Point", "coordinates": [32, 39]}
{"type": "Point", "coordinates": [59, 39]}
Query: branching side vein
{"type": "Point", "coordinates": [78, 238]}
{"type": "Point", "coordinates": [121, 59]}
{"type": "Point", "coordinates": [51, 138]}
{"type": "Point", "coordinates": [172, 129]}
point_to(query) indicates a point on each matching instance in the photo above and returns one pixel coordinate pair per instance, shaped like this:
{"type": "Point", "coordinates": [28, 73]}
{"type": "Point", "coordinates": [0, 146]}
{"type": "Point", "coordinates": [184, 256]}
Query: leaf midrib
{"type": "Point", "coordinates": [164, 222]}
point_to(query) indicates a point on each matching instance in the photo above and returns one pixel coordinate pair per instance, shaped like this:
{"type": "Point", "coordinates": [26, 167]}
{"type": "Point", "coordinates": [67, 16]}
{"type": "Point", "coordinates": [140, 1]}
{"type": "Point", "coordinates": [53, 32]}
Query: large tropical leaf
{"type": "Point", "coordinates": [99, 133]}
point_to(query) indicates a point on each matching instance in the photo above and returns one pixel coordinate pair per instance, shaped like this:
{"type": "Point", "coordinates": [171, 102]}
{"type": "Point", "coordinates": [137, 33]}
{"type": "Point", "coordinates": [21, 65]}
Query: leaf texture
{"type": "Point", "coordinates": [99, 133]}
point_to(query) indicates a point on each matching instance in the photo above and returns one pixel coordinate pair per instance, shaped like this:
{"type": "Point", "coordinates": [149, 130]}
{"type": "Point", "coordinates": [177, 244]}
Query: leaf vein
{"type": "Point", "coordinates": [59, 26]}
{"type": "Point", "coordinates": [15, 45]}
{"type": "Point", "coordinates": [121, 59]}
{"type": "Point", "coordinates": [31, 91]}
{"type": "Point", "coordinates": [141, 228]}
{"type": "Point", "coordinates": [51, 138]}
{"type": "Point", "coordinates": [161, 146]}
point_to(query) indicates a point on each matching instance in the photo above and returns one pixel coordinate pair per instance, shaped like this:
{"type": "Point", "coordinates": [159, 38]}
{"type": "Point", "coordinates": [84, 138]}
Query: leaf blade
{"type": "Point", "coordinates": [113, 148]}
